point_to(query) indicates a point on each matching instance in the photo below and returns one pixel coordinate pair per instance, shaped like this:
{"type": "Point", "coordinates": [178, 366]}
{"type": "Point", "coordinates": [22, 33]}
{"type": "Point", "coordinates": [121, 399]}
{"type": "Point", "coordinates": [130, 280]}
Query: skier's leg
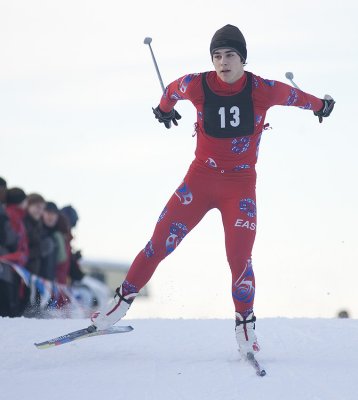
{"type": "Point", "coordinates": [182, 213]}
{"type": "Point", "coordinates": [239, 219]}
{"type": "Point", "coordinates": [184, 210]}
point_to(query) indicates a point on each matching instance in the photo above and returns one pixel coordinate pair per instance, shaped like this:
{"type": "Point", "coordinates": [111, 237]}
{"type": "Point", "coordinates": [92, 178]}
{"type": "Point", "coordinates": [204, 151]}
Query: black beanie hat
{"type": "Point", "coordinates": [71, 214]}
{"type": "Point", "coordinates": [15, 196]}
{"type": "Point", "coordinates": [229, 36]}
{"type": "Point", "coordinates": [52, 207]}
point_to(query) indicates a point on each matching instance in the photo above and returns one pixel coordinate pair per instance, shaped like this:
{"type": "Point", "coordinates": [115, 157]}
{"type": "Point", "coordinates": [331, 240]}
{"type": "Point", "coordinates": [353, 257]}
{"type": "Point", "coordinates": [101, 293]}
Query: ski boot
{"type": "Point", "coordinates": [245, 333]}
{"type": "Point", "coordinates": [116, 309]}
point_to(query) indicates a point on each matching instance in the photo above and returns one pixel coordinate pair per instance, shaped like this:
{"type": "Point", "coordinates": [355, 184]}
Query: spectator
{"type": "Point", "coordinates": [35, 235]}
{"type": "Point", "coordinates": [75, 272]}
{"type": "Point", "coordinates": [14, 293]}
{"type": "Point", "coordinates": [63, 237]}
{"type": "Point", "coordinates": [56, 241]}
{"type": "Point", "coordinates": [49, 245]}
{"type": "Point", "coordinates": [3, 188]}
{"type": "Point", "coordinates": [33, 224]}
{"type": "Point", "coordinates": [71, 214]}
{"type": "Point", "coordinates": [8, 238]}
{"type": "Point", "coordinates": [8, 244]}
{"type": "Point", "coordinates": [58, 230]}
{"type": "Point", "coordinates": [15, 208]}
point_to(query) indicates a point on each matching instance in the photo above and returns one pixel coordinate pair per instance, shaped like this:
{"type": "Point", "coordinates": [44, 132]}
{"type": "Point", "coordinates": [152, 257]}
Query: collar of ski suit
{"type": "Point", "coordinates": [222, 88]}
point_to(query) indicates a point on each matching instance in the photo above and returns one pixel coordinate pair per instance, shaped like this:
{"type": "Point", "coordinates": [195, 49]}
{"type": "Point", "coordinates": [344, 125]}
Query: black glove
{"type": "Point", "coordinates": [328, 104]}
{"type": "Point", "coordinates": [166, 118]}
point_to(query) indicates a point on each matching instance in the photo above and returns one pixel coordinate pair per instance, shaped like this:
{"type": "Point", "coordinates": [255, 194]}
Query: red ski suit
{"type": "Point", "coordinates": [230, 121]}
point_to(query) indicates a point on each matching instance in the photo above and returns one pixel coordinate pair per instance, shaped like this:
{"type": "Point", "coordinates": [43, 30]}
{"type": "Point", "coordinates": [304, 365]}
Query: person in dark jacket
{"type": "Point", "coordinates": [16, 202]}
{"type": "Point", "coordinates": [72, 217]}
{"type": "Point", "coordinates": [49, 246]}
{"type": "Point", "coordinates": [8, 238]}
{"type": "Point", "coordinates": [56, 265]}
{"type": "Point", "coordinates": [63, 237]}
{"type": "Point", "coordinates": [9, 280]}
{"type": "Point", "coordinates": [14, 293]}
{"type": "Point", "coordinates": [3, 187]}
{"type": "Point", "coordinates": [33, 224]}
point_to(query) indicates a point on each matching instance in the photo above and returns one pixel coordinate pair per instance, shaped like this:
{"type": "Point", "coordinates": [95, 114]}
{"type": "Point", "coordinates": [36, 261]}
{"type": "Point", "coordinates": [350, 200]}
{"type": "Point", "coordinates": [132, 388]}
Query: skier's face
{"type": "Point", "coordinates": [228, 65]}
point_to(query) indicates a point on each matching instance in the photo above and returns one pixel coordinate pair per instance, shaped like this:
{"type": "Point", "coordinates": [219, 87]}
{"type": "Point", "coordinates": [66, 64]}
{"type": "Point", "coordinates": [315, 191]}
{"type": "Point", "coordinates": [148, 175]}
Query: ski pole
{"type": "Point", "coordinates": [289, 76]}
{"type": "Point", "coordinates": [148, 41]}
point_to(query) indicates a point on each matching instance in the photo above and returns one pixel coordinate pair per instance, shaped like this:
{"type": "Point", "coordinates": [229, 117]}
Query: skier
{"type": "Point", "coordinates": [231, 106]}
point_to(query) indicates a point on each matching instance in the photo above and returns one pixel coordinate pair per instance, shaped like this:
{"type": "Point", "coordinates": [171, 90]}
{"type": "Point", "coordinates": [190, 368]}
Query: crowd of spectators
{"type": "Point", "coordinates": [35, 235]}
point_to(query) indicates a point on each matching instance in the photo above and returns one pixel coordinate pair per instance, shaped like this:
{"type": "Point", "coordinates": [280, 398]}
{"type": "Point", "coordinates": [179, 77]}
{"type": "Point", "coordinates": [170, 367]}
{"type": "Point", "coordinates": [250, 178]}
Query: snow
{"type": "Point", "coordinates": [162, 359]}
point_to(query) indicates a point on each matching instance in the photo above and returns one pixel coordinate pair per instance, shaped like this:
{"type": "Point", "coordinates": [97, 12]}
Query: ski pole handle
{"type": "Point", "coordinates": [289, 76]}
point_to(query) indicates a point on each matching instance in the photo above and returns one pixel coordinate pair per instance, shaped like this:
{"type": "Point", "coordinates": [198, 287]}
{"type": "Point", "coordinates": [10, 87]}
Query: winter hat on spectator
{"type": "Point", "coordinates": [15, 196]}
{"type": "Point", "coordinates": [51, 207]}
{"type": "Point", "coordinates": [71, 214]}
{"type": "Point", "coordinates": [229, 37]}
{"type": "Point", "coordinates": [35, 198]}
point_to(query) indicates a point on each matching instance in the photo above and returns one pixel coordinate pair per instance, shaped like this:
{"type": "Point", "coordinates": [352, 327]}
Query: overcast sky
{"type": "Point", "coordinates": [76, 89]}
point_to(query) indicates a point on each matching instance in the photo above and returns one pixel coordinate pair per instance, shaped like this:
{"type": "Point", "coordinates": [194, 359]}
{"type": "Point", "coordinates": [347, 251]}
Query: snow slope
{"type": "Point", "coordinates": [315, 359]}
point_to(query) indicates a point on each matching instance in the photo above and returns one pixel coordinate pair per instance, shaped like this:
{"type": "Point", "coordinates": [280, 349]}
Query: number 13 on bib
{"type": "Point", "coordinates": [229, 116]}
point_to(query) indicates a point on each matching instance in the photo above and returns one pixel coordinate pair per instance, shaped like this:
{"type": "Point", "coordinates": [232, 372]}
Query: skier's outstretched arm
{"type": "Point", "coordinates": [181, 89]}
{"type": "Point", "coordinates": [279, 93]}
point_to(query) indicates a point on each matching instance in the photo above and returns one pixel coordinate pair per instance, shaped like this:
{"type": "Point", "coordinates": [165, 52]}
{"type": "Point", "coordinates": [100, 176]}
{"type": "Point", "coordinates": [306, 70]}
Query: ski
{"type": "Point", "coordinates": [252, 360]}
{"type": "Point", "coordinates": [81, 334]}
